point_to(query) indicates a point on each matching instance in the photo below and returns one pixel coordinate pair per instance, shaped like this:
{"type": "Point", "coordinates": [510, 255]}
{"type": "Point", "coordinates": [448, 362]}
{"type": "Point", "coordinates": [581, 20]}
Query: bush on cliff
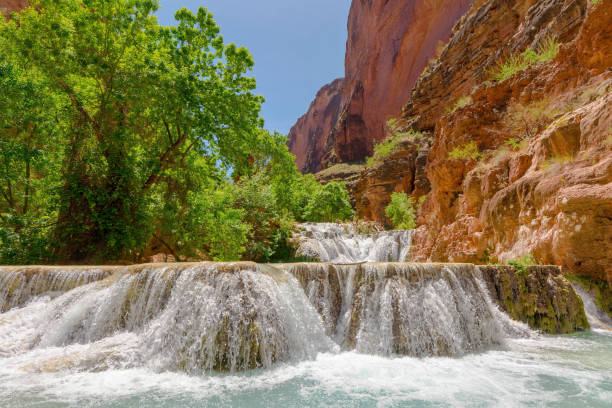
{"type": "Point", "coordinates": [465, 152]}
{"type": "Point", "coordinates": [391, 145]}
{"type": "Point", "coordinates": [402, 211]}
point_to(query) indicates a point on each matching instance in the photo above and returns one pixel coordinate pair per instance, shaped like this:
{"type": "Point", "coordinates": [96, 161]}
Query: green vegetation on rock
{"type": "Point", "coordinates": [460, 104]}
{"type": "Point", "coordinates": [402, 211]}
{"type": "Point", "coordinates": [522, 263]}
{"type": "Point", "coordinates": [121, 136]}
{"type": "Point", "coordinates": [539, 296]}
{"type": "Point", "coordinates": [601, 291]}
{"type": "Point", "coordinates": [465, 152]}
{"type": "Point", "coordinates": [391, 145]}
{"type": "Point", "coordinates": [546, 51]}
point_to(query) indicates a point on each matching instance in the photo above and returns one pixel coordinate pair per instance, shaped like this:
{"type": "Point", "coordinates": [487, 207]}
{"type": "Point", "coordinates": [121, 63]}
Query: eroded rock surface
{"type": "Point", "coordinates": [389, 44]}
{"type": "Point", "coordinates": [539, 180]}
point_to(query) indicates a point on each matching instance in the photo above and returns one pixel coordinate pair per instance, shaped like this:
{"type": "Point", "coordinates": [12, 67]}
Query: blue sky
{"type": "Point", "coordinates": [298, 47]}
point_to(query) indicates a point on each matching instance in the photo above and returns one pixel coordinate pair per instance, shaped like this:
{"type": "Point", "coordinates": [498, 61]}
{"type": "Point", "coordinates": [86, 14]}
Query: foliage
{"type": "Point", "coordinates": [391, 145]}
{"type": "Point", "coordinates": [23, 239]}
{"type": "Point", "coordinates": [330, 203]}
{"type": "Point", "coordinates": [460, 104]}
{"type": "Point", "coordinates": [464, 152]}
{"type": "Point", "coordinates": [526, 121]}
{"type": "Point", "coordinates": [29, 162]}
{"type": "Point", "coordinates": [402, 211]}
{"type": "Point", "coordinates": [546, 51]}
{"type": "Point", "coordinates": [521, 264]}
{"type": "Point", "coordinates": [118, 133]}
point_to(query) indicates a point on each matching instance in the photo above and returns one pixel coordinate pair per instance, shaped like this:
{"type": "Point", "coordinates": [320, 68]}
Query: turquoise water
{"type": "Point", "coordinates": [563, 371]}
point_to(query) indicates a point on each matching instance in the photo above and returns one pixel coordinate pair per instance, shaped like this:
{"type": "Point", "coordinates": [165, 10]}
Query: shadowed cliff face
{"type": "Point", "coordinates": [308, 137]}
{"type": "Point", "coordinates": [7, 6]}
{"type": "Point", "coordinates": [389, 44]}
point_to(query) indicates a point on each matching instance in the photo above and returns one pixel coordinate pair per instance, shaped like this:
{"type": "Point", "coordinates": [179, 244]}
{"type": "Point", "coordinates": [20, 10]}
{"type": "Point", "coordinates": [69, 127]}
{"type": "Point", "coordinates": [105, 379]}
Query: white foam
{"type": "Point", "coordinates": [342, 243]}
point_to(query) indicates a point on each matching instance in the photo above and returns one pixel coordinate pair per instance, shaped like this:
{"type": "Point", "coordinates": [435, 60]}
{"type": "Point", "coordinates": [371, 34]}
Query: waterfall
{"type": "Point", "coordinates": [197, 317]}
{"type": "Point", "coordinates": [598, 319]}
{"type": "Point", "coordinates": [239, 316]}
{"type": "Point", "coordinates": [407, 309]}
{"type": "Point", "coordinates": [188, 317]}
{"type": "Point", "coordinates": [344, 243]}
{"type": "Point", "coordinates": [20, 284]}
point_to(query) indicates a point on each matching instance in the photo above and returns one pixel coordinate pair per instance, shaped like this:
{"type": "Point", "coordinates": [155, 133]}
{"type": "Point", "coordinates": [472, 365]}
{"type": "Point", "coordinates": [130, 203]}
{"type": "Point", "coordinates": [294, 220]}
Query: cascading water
{"type": "Point", "coordinates": [407, 309]}
{"type": "Point", "coordinates": [181, 317]}
{"type": "Point", "coordinates": [19, 284]}
{"type": "Point", "coordinates": [343, 243]}
{"type": "Point", "coordinates": [315, 333]}
{"type": "Point", "coordinates": [598, 319]}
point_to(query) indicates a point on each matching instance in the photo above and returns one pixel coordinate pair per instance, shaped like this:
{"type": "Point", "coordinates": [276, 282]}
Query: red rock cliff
{"type": "Point", "coordinates": [308, 137]}
{"type": "Point", "coordinates": [7, 6]}
{"type": "Point", "coordinates": [537, 176]}
{"type": "Point", "coordinates": [389, 44]}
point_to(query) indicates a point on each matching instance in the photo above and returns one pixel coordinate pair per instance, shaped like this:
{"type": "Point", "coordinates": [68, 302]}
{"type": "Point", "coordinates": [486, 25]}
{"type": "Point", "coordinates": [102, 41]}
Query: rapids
{"type": "Point", "coordinates": [343, 243]}
{"type": "Point", "coordinates": [308, 334]}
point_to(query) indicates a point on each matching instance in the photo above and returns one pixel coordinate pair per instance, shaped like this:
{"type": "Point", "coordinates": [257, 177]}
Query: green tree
{"type": "Point", "coordinates": [29, 159]}
{"type": "Point", "coordinates": [328, 204]}
{"type": "Point", "coordinates": [402, 211]}
{"type": "Point", "coordinates": [141, 103]}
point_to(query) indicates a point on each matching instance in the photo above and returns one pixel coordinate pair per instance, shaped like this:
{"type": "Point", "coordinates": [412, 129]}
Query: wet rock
{"type": "Point", "coordinates": [539, 296]}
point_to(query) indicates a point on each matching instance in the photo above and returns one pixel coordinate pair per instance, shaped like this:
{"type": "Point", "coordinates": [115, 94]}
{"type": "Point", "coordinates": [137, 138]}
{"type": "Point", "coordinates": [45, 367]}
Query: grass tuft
{"type": "Point", "coordinates": [460, 104]}
{"type": "Point", "coordinates": [546, 51]}
{"type": "Point", "coordinates": [464, 152]}
{"type": "Point", "coordinates": [390, 145]}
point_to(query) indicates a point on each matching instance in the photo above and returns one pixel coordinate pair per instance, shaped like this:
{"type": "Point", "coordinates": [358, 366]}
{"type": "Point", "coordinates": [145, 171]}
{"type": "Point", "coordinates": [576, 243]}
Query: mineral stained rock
{"type": "Point", "coordinates": [389, 44]}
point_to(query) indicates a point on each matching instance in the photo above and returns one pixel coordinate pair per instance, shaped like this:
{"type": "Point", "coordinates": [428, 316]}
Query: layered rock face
{"type": "Point", "coordinates": [389, 44]}
{"type": "Point", "coordinates": [518, 166]}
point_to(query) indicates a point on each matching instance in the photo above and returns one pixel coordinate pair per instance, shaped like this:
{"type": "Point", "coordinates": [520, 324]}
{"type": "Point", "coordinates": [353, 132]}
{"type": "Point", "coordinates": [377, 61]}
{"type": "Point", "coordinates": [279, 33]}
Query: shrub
{"type": "Point", "coordinates": [521, 264]}
{"type": "Point", "coordinates": [464, 152]}
{"type": "Point", "coordinates": [460, 104]}
{"type": "Point", "coordinates": [328, 204]}
{"type": "Point", "coordinates": [403, 211]}
{"type": "Point", "coordinates": [526, 121]}
{"type": "Point", "coordinates": [390, 145]}
{"type": "Point", "coordinates": [546, 51]}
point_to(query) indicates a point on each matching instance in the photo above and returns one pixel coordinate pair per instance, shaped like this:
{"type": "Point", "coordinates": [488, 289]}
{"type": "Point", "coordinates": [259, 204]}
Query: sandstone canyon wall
{"type": "Point", "coordinates": [539, 180]}
{"type": "Point", "coordinates": [389, 43]}
{"type": "Point", "coordinates": [8, 6]}
{"type": "Point", "coordinates": [310, 134]}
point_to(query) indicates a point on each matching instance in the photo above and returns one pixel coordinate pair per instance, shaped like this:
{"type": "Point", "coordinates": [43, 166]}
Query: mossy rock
{"type": "Point", "coordinates": [541, 297]}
